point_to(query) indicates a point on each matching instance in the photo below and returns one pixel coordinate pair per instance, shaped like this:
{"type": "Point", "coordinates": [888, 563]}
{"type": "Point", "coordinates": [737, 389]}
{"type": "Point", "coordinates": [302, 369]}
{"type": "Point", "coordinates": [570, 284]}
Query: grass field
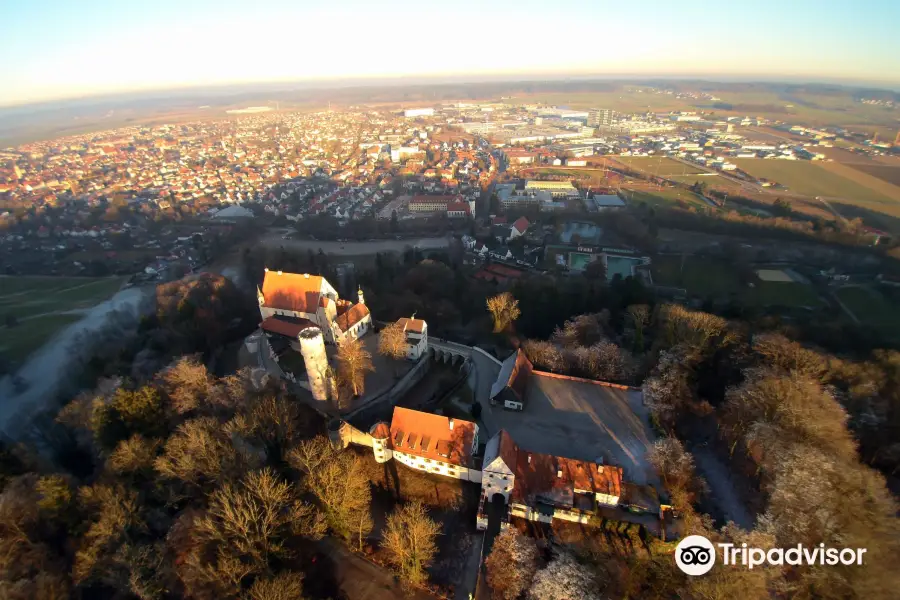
{"type": "Point", "coordinates": [777, 293]}
{"type": "Point", "coordinates": [41, 306]}
{"type": "Point", "coordinates": [666, 197]}
{"type": "Point", "coordinates": [701, 276]}
{"type": "Point", "coordinates": [809, 179]}
{"type": "Point", "coordinates": [870, 307]}
{"type": "Point", "coordinates": [712, 181]}
{"type": "Point", "coordinates": [888, 173]}
{"type": "Point", "coordinates": [661, 166]}
{"type": "Point", "coordinates": [712, 277]}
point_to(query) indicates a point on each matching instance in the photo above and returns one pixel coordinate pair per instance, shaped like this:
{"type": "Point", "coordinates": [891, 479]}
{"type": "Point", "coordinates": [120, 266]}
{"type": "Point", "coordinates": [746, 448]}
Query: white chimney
{"type": "Point", "coordinates": [451, 424]}
{"type": "Point", "coordinates": [306, 275]}
{"type": "Point", "coordinates": [559, 474]}
{"type": "Point", "coordinates": [266, 269]}
{"type": "Point", "coordinates": [279, 272]}
{"type": "Point", "coordinates": [529, 459]}
{"type": "Point", "coordinates": [599, 468]}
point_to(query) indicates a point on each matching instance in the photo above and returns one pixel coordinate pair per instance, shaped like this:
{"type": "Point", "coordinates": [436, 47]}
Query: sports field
{"type": "Point", "coordinates": [810, 179]}
{"type": "Point", "coordinates": [660, 166]}
{"type": "Point", "coordinates": [704, 277]}
{"type": "Point", "coordinates": [38, 307]}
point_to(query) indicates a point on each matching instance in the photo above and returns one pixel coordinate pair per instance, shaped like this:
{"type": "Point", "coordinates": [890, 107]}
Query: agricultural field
{"type": "Point", "coordinates": [666, 197]}
{"type": "Point", "coordinates": [659, 166]}
{"type": "Point", "coordinates": [38, 307]}
{"type": "Point", "coordinates": [871, 307]}
{"type": "Point", "coordinates": [780, 293]}
{"type": "Point", "coordinates": [888, 173]}
{"type": "Point", "coordinates": [626, 101]}
{"type": "Point", "coordinates": [809, 179]}
{"type": "Point", "coordinates": [712, 181]}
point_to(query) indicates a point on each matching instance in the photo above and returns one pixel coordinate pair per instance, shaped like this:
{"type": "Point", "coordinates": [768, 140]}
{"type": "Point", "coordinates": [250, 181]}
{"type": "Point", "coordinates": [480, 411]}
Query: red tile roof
{"type": "Point", "coordinates": [521, 225]}
{"type": "Point", "coordinates": [290, 328]}
{"type": "Point", "coordinates": [555, 478]}
{"type": "Point", "coordinates": [351, 317]}
{"type": "Point", "coordinates": [292, 291]}
{"type": "Point", "coordinates": [431, 436]}
{"type": "Point", "coordinates": [414, 325]}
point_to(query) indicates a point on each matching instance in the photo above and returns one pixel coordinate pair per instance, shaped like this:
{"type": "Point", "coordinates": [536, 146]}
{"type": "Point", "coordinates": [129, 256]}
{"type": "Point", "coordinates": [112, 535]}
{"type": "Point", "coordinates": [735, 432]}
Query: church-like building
{"type": "Point", "coordinates": [292, 302]}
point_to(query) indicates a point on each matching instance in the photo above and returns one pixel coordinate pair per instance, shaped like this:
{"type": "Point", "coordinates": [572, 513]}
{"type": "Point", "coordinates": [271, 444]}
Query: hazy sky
{"type": "Point", "coordinates": [64, 48]}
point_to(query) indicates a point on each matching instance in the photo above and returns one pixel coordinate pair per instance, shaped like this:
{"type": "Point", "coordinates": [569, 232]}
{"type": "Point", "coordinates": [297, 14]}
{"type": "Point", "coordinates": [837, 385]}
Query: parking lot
{"type": "Point", "coordinates": [583, 420]}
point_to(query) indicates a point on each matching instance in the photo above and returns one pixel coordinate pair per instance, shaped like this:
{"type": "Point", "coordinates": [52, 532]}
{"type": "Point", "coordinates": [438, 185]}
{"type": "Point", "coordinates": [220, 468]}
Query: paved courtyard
{"type": "Point", "coordinates": [582, 420]}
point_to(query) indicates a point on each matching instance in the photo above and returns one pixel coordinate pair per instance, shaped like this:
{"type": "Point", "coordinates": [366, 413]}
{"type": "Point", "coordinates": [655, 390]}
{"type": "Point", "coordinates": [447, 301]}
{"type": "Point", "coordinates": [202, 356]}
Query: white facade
{"type": "Point", "coordinates": [312, 347]}
{"type": "Point", "coordinates": [437, 467]}
{"type": "Point", "coordinates": [418, 112]}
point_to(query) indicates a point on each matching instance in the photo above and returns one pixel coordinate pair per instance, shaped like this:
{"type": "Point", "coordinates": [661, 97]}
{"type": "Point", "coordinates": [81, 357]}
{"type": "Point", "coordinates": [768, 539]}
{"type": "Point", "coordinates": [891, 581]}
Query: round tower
{"type": "Point", "coordinates": [360, 296]}
{"type": "Point", "coordinates": [381, 435]}
{"type": "Point", "coordinates": [312, 347]}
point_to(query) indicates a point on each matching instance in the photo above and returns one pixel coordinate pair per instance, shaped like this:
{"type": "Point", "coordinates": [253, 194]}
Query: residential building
{"type": "Point", "coordinates": [416, 331]}
{"type": "Point", "coordinates": [599, 117]}
{"type": "Point", "coordinates": [518, 228]}
{"type": "Point", "coordinates": [431, 203]}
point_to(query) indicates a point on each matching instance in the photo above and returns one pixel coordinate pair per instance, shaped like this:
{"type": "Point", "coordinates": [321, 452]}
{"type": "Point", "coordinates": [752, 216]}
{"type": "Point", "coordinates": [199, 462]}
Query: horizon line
{"type": "Point", "coordinates": [450, 79]}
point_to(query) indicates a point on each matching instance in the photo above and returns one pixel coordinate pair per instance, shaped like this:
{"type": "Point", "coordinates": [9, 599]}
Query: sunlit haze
{"type": "Point", "coordinates": [57, 49]}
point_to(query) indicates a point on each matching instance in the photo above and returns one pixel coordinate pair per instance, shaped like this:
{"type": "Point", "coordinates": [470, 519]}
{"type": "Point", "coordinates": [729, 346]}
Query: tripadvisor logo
{"type": "Point", "coordinates": [696, 555]}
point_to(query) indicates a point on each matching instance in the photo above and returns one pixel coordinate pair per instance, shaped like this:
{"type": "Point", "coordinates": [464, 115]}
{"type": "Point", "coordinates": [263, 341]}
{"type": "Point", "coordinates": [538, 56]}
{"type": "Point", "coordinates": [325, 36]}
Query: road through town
{"type": "Point", "coordinates": [275, 240]}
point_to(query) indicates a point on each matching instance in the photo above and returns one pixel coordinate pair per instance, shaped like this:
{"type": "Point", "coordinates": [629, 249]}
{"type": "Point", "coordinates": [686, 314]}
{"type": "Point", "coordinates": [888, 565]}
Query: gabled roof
{"type": "Point", "coordinates": [413, 325]}
{"type": "Point", "coordinates": [513, 376]}
{"type": "Point", "coordinates": [292, 291]}
{"type": "Point", "coordinates": [554, 479]}
{"type": "Point", "coordinates": [521, 225]}
{"type": "Point", "coordinates": [285, 326]}
{"type": "Point", "coordinates": [432, 436]}
{"type": "Point", "coordinates": [351, 317]}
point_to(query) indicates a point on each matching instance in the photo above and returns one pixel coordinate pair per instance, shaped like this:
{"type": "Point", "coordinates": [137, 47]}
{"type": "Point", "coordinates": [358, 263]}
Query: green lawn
{"type": "Point", "coordinates": [808, 179]}
{"type": "Point", "coordinates": [700, 276]}
{"type": "Point", "coordinates": [870, 307]}
{"type": "Point", "coordinates": [41, 306]}
{"type": "Point", "coordinates": [712, 277]}
{"type": "Point", "coordinates": [781, 293]}
{"type": "Point", "coordinates": [18, 342]}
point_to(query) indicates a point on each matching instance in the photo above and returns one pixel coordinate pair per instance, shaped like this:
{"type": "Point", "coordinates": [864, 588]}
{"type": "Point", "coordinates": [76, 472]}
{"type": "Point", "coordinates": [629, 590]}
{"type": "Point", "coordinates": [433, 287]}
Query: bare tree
{"type": "Point", "coordinates": [245, 528]}
{"type": "Point", "coordinates": [392, 341]}
{"type": "Point", "coordinates": [511, 564]}
{"type": "Point", "coordinates": [339, 482]}
{"type": "Point", "coordinates": [409, 540]}
{"type": "Point", "coordinates": [639, 314]}
{"type": "Point", "coordinates": [354, 361]}
{"type": "Point", "coordinates": [134, 456]}
{"type": "Point", "coordinates": [564, 579]}
{"type": "Point", "coordinates": [202, 454]}
{"type": "Point", "coordinates": [504, 309]}
{"type": "Point", "coordinates": [188, 383]}
{"type": "Point", "coordinates": [287, 585]}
